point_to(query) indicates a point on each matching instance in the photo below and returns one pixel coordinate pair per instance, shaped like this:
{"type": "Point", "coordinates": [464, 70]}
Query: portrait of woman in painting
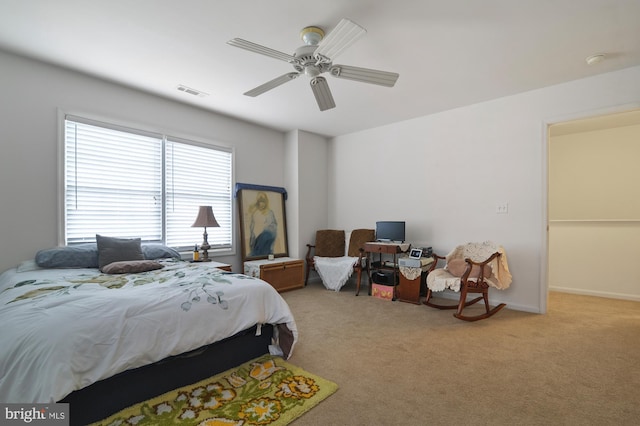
{"type": "Point", "coordinates": [263, 227]}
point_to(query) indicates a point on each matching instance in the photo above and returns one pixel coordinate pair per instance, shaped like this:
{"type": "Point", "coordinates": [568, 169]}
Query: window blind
{"type": "Point", "coordinates": [128, 183]}
{"type": "Point", "coordinates": [197, 176]}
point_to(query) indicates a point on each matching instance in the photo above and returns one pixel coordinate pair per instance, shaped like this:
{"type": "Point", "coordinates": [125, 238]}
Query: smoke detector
{"type": "Point", "coordinates": [595, 59]}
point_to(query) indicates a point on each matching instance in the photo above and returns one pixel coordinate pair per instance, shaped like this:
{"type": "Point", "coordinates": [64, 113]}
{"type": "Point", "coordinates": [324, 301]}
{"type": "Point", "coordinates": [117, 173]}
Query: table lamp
{"type": "Point", "coordinates": [205, 218]}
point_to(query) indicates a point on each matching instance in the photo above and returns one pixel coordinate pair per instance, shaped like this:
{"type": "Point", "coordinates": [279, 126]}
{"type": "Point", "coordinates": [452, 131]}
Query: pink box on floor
{"type": "Point", "coordinates": [384, 292]}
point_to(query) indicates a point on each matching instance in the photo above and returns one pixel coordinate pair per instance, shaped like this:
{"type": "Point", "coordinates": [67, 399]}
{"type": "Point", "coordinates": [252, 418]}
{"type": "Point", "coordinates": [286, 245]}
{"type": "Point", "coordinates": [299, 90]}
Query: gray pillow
{"type": "Point", "coordinates": [131, 266]}
{"type": "Point", "coordinates": [158, 251]}
{"type": "Point", "coordinates": [117, 249]}
{"type": "Point", "coordinates": [75, 256]}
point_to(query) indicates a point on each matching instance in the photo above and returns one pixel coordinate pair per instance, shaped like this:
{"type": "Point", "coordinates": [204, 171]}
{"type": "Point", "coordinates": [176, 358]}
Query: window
{"type": "Point", "coordinates": [128, 183]}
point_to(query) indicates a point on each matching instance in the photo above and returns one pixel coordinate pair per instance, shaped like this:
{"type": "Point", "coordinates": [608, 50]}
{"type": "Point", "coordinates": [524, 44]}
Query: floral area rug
{"type": "Point", "coordinates": [264, 391]}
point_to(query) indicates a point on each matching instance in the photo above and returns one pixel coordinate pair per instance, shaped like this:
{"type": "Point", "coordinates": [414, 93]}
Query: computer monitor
{"type": "Point", "coordinates": [390, 231]}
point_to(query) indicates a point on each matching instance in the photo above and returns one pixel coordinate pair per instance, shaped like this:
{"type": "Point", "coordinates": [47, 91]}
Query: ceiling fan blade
{"type": "Point", "coordinates": [322, 93]}
{"type": "Point", "coordinates": [271, 84]}
{"type": "Point", "coordinates": [341, 37]}
{"type": "Point", "coordinates": [365, 75]}
{"type": "Point", "coordinates": [257, 48]}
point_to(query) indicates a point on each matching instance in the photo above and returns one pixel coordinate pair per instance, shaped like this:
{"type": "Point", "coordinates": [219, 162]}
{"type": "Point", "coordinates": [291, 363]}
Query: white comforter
{"type": "Point", "coordinates": [65, 329]}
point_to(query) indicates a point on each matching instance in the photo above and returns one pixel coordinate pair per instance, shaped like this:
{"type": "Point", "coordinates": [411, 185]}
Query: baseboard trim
{"type": "Point", "coordinates": [607, 294]}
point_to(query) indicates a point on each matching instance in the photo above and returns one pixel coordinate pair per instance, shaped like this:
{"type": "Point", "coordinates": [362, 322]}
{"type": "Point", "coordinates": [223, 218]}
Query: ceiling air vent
{"type": "Point", "coordinates": [189, 90]}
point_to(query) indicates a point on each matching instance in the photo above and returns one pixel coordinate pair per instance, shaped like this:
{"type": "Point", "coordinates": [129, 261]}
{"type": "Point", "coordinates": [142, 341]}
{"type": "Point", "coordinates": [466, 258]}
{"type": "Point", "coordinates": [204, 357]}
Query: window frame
{"type": "Point", "coordinates": [173, 136]}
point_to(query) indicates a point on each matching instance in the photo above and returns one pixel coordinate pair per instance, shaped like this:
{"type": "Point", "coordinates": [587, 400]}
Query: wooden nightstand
{"type": "Point", "coordinates": [283, 273]}
{"type": "Point", "coordinates": [219, 265]}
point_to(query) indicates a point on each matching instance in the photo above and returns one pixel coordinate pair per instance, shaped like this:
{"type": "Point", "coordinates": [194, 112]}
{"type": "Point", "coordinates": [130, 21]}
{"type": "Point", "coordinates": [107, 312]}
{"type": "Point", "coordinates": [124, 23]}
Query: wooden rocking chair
{"type": "Point", "coordinates": [470, 268]}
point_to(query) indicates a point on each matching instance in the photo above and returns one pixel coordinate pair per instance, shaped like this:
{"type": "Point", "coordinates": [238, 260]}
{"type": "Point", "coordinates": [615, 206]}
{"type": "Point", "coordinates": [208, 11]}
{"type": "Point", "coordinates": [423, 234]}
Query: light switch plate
{"type": "Point", "coordinates": [502, 208]}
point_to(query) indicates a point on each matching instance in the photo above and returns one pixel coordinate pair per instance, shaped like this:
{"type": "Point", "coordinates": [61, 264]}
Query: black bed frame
{"type": "Point", "coordinates": [108, 396]}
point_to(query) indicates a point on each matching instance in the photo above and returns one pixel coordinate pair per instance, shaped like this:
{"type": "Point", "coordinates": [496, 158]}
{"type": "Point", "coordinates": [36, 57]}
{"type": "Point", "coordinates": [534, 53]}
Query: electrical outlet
{"type": "Point", "coordinates": [502, 208]}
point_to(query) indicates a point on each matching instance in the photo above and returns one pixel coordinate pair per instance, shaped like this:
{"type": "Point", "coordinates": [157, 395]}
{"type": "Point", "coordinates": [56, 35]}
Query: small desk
{"type": "Point", "coordinates": [383, 248]}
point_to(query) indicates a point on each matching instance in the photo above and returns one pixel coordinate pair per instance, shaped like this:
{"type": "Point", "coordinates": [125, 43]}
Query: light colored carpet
{"type": "Point", "coordinates": [402, 364]}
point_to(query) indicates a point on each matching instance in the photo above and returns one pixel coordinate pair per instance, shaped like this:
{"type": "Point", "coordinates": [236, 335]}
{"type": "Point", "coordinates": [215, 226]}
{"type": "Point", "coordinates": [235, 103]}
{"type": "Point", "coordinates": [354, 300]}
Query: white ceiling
{"type": "Point", "coordinates": [449, 53]}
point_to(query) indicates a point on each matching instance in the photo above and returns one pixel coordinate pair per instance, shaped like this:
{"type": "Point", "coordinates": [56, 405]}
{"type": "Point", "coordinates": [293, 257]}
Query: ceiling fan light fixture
{"type": "Point", "coordinates": [315, 57]}
{"type": "Point", "coordinates": [311, 71]}
{"type": "Point", "coordinates": [311, 35]}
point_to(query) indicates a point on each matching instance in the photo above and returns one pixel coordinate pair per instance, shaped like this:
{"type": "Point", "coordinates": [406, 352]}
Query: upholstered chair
{"type": "Point", "coordinates": [333, 263]}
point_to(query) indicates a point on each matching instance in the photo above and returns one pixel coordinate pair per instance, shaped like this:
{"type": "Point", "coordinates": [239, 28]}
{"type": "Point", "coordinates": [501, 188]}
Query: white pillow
{"type": "Point", "coordinates": [28, 265]}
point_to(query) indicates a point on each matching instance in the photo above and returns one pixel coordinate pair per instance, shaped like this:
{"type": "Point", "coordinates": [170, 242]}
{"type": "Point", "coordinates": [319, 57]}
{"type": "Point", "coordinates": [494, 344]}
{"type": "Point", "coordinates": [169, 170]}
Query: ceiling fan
{"type": "Point", "coordinates": [315, 58]}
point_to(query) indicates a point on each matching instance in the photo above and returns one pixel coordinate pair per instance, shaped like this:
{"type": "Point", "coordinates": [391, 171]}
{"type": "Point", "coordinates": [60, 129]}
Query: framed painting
{"type": "Point", "coordinates": [263, 221]}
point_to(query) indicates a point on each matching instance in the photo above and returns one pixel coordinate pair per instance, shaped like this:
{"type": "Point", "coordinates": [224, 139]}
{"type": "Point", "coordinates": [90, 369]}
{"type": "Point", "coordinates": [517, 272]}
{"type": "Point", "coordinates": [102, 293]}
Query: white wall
{"type": "Point", "coordinates": [32, 93]}
{"type": "Point", "coordinates": [444, 174]}
{"type": "Point", "coordinates": [291, 184]}
{"type": "Point", "coordinates": [314, 197]}
{"type": "Point", "coordinates": [310, 186]}
{"type": "Point", "coordinates": [594, 175]}
{"type": "Point", "coordinates": [597, 258]}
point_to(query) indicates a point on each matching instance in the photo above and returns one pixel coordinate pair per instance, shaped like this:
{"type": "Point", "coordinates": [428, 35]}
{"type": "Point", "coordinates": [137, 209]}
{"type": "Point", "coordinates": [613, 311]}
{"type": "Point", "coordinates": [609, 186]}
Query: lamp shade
{"type": "Point", "coordinates": [205, 218]}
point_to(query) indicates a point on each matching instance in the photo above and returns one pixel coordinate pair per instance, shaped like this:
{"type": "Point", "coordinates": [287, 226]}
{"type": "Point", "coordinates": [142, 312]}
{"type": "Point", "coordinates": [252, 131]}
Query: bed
{"type": "Point", "coordinates": [104, 341]}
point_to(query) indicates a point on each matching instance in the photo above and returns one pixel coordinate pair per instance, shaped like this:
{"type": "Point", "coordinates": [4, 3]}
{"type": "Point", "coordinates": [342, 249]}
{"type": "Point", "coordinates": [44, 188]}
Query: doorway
{"type": "Point", "coordinates": [593, 206]}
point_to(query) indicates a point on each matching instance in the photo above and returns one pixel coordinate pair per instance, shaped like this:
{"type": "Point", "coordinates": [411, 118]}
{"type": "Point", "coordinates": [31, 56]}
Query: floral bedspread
{"type": "Point", "coordinates": [64, 329]}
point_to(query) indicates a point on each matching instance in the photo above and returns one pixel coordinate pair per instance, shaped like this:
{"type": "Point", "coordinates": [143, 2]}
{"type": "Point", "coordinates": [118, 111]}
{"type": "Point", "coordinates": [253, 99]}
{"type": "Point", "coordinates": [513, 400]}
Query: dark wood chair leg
{"type": "Point", "coordinates": [463, 300]}
{"type": "Point", "coordinates": [488, 311]}
{"type": "Point", "coordinates": [309, 262]}
{"type": "Point", "coordinates": [485, 295]}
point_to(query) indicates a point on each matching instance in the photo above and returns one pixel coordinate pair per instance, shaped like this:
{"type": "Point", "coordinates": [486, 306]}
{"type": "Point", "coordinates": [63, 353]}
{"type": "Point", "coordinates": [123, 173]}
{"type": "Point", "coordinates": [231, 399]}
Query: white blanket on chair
{"type": "Point", "coordinates": [441, 279]}
{"type": "Point", "coordinates": [334, 271]}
